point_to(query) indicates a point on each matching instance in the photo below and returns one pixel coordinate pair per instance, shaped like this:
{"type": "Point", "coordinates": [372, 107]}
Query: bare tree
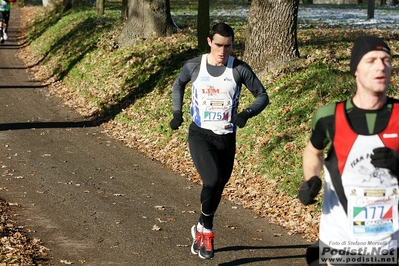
{"type": "Point", "coordinates": [271, 38]}
{"type": "Point", "coordinates": [203, 24]}
{"type": "Point", "coordinates": [100, 8]}
{"type": "Point", "coordinates": [144, 19]}
{"type": "Point", "coordinates": [370, 9]}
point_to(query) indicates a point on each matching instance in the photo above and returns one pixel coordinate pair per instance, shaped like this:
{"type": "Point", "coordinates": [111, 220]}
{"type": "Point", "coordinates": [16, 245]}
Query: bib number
{"type": "Point", "coordinates": [373, 212]}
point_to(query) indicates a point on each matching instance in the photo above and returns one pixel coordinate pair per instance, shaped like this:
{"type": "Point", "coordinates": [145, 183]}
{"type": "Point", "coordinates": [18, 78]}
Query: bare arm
{"type": "Point", "coordinates": [312, 161]}
{"type": "Point", "coordinates": [312, 165]}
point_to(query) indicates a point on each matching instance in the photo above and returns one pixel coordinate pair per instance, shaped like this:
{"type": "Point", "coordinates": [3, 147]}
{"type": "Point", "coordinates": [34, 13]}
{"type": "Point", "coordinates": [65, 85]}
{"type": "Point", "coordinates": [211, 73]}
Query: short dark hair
{"type": "Point", "coordinates": [222, 29]}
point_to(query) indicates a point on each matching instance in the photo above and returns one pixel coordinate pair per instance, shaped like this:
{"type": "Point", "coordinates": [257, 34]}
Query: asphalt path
{"type": "Point", "coordinates": [93, 201]}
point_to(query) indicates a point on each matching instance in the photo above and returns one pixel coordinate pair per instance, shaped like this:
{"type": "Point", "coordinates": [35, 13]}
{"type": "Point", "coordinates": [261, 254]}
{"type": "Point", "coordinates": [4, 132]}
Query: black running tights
{"type": "Point", "coordinates": [213, 156]}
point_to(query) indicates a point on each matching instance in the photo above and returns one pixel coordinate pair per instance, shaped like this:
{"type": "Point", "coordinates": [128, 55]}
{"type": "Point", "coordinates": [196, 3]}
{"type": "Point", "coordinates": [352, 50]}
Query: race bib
{"type": "Point", "coordinates": [216, 110]}
{"type": "Point", "coordinates": [373, 212]}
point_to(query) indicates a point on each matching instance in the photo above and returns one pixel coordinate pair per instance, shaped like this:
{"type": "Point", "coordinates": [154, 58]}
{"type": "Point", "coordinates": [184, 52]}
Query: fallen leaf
{"type": "Point", "coordinates": [156, 228]}
{"type": "Point", "coordinates": [66, 262]}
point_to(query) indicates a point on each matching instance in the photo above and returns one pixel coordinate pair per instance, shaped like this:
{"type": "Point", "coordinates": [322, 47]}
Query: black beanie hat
{"type": "Point", "coordinates": [362, 46]}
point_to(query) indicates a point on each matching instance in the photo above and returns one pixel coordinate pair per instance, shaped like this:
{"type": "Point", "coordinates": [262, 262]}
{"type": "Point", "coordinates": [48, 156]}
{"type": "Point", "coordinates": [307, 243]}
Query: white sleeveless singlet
{"type": "Point", "coordinates": [215, 99]}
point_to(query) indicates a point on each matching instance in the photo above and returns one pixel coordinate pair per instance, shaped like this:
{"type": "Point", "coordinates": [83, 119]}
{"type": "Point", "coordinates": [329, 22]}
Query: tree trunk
{"type": "Point", "coordinates": [370, 9]}
{"type": "Point", "coordinates": [68, 4]}
{"type": "Point", "coordinates": [144, 19]}
{"type": "Point", "coordinates": [99, 8]}
{"type": "Point", "coordinates": [203, 24]}
{"type": "Point", "coordinates": [271, 38]}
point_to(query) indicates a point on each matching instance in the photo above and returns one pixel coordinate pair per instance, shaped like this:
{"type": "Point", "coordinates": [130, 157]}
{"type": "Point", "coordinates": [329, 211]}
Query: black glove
{"type": "Point", "coordinates": [241, 119]}
{"type": "Point", "coordinates": [309, 190]}
{"type": "Point", "coordinates": [386, 158]}
{"type": "Point", "coordinates": [177, 120]}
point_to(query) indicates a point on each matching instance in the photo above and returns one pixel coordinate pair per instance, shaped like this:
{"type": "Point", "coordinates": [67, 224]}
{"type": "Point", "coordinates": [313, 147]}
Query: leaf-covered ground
{"type": "Point", "coordinates": [16, 247]}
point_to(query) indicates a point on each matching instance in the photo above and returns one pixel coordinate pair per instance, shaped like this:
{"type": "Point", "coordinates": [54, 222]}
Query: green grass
{"type": "Point", "coordinates": [132, 85]}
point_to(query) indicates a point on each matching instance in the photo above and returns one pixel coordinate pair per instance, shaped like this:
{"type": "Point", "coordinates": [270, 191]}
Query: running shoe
{"type": "Point", "coordinates": [197, 240]}
{"type": "Point", "coordinates": [206, 248]}
{"type": "Point", "coordinates": [1, 40]}
{"type": "Point", "coordinates": [5, 35]}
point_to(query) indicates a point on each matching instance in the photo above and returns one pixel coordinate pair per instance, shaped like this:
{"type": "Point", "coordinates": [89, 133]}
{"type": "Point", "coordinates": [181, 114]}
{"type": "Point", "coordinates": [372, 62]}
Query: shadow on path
{"type": "Point", "coordinates": [23, 87]}
{"type": "Point", "coordinates": [31, 125]}
{"type": "Point", "coordinates": [243, 261]}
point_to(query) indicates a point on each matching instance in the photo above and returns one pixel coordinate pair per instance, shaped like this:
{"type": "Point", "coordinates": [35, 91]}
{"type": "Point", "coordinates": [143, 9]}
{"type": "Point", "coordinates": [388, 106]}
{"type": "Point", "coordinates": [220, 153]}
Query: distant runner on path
{"type": "Point", "coordinates": [5, 8]}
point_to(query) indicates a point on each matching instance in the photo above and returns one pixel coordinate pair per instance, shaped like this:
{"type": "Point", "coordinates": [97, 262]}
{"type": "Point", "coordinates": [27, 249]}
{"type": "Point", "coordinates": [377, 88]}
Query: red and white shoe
{"type": "Point", "coordinates": [206, 249]}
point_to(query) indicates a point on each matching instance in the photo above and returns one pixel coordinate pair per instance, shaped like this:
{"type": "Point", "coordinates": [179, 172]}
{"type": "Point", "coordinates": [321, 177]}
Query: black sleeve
{"type": "Point", "coordinates": [188, 73]}
{"type": "Point", "coordinates": [243, 74]}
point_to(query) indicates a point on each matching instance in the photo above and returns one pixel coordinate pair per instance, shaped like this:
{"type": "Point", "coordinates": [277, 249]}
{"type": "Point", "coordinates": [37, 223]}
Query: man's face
{"type": "Point", "coordinates": [373, 72]}
{"type": "Point", "coordinates": [220, 48]}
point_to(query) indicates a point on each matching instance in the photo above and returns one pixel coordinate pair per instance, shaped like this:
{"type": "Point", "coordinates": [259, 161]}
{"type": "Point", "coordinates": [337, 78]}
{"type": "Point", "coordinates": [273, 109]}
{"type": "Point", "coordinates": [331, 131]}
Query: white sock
{"type": "Point", "coordinates": [206, 230]}
{"type": "Point", "coordinates": [200, 227]}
